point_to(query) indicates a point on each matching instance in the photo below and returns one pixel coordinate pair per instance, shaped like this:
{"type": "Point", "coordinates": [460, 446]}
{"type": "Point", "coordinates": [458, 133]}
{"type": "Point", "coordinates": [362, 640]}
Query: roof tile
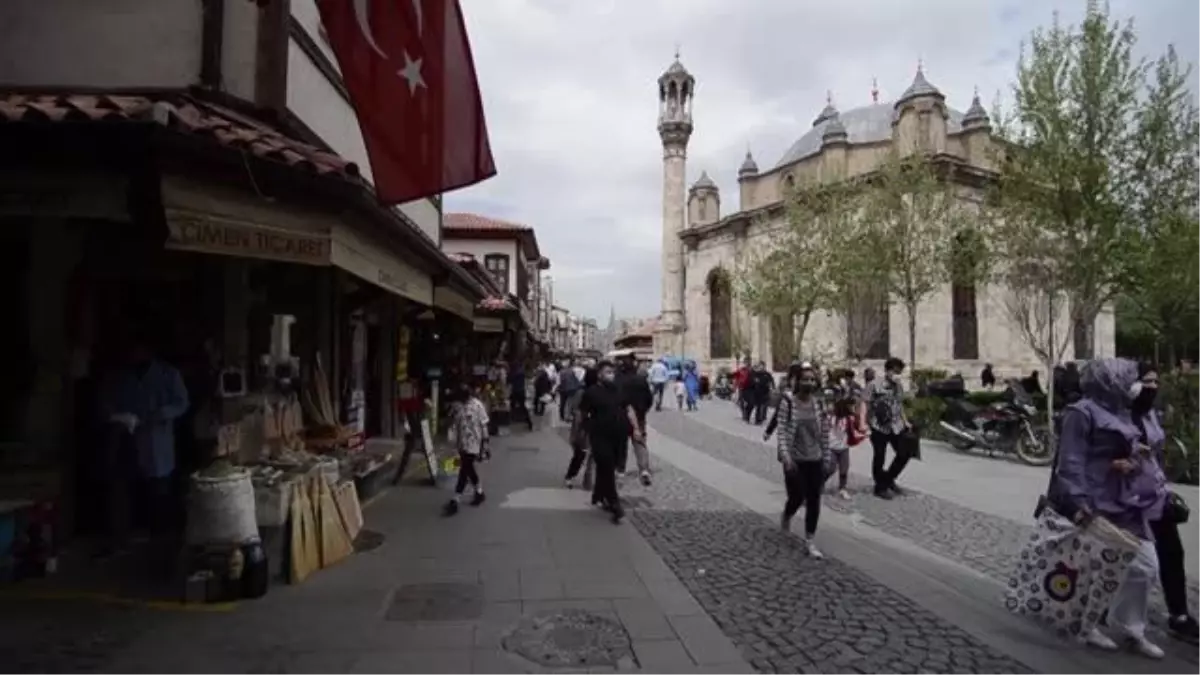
{"type": "Point", "coordinates": [478, 223]}
{"type": "Point", "coordinates": [183, 113]}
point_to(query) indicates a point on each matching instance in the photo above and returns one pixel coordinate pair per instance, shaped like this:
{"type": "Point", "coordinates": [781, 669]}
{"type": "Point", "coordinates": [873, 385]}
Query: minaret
{"type": "Point", "coordinates": [675, 90]}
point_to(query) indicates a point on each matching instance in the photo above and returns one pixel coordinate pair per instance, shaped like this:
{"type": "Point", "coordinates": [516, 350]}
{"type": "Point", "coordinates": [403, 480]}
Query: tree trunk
{"type": "Point", "coordinates": [800, 330]}
{"type": "Point", "coordinates": [912, 335]}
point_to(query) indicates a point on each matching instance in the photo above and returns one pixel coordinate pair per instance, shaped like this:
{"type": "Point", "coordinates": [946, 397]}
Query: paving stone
{"type": "Point", "coordinates": [663, 656]}
{"type": "Point", "coordinates": [643, 620]}
{"type": "Point", "coordinates": [413, 661]}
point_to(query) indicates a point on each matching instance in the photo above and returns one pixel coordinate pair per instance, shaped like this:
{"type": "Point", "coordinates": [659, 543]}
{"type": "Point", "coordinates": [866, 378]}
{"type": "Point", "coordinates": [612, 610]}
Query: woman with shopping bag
{"type": "Point", "coordinates": [1094, 548]}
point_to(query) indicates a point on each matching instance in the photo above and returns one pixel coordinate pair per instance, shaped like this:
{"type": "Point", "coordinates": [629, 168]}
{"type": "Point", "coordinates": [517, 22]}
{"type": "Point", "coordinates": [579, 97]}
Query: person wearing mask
{"type": "Point", "coordinates": [609, 420]}
{"type": "Point", "coordinates": [140, 401]}
{"type": "Point", "coordinates": [579, 438]}
{"type": "Point", "coordinates": [1105, 468]}
{"type": "Point", "coordinates": [658, 380]}
{"type": "Point", "coordinates": [803, 450]}
{"type": "Point", "coordinates": [1172, 568]}
{"type": "Point", "coordinates": [636, 390]}
{"type": "Point", "coordinates": [569, 382]}
{"type": "Point", "coordinates": [987, 378]}
{"type": "Point", "coordinates": [844, 433]}
{"type": "Point", "coordinates": [885, 417]}
{"type": "Point", "coordinates": [471, 436]}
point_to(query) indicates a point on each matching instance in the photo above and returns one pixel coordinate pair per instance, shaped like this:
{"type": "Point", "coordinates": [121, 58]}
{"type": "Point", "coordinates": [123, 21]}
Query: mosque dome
{"type": "Point", "coordinates": [868, 124]}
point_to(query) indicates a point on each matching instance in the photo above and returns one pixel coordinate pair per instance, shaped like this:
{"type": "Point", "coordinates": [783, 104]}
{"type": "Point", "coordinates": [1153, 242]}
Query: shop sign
{"type": "Point", "coordinates": [223, 236]}
{"type": "Point", "coordinates": [454, 302]}
{"type": "Point", "coordinates": [372, 264]}
{"type": "Point", "coordinates": [489, 324]}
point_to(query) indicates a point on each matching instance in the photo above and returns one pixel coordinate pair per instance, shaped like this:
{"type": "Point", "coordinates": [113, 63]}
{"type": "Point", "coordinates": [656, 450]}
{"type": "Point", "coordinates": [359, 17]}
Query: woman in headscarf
{"type": "Point", "coordinates": [1172, 567]}
{"type": "Point", "coordinates": [1106, 468]}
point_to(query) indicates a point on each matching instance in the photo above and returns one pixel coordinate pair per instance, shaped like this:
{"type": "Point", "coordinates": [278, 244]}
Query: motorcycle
{"type": "Point", "coordinates": [1006, 427]}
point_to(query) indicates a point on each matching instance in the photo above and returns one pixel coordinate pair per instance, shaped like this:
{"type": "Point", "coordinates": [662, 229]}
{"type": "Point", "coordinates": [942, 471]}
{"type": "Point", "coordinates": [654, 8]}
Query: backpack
{"type": "Point", "coordinates": [881, 409]}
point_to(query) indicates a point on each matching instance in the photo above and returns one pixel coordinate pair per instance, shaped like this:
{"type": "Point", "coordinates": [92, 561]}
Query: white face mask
{"type": "Point", "coordinates": [607, 376]}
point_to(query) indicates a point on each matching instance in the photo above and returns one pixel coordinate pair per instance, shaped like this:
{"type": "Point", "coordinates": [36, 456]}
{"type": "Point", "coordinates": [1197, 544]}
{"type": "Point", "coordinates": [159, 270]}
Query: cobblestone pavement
{"type": "Point", "coordinates": [987, 543]}
{"type": "Point", "coordinates": [786, 612]}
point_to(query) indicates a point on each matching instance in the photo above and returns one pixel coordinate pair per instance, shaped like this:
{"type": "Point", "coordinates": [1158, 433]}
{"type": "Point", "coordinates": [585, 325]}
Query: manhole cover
{"type": "Point", "coordinates": [572, 638]}
{"type": "Point", "coordinates": [367, 540]}
{"type": "Point", "coordinates": [522, 448]}
{"type": "Point", "coordinates": [436, 602]}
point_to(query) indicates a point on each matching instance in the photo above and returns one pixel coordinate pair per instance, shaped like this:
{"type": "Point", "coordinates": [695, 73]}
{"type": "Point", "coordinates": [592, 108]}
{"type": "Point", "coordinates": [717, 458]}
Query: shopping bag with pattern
{"type": "Point", "coordinates": [1067, 574]}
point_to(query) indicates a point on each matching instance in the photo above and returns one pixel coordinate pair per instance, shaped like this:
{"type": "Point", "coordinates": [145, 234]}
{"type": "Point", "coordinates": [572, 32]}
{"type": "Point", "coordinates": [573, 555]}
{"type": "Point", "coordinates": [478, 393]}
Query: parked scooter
{"type": "Point", "coordinates": [1004, 427]}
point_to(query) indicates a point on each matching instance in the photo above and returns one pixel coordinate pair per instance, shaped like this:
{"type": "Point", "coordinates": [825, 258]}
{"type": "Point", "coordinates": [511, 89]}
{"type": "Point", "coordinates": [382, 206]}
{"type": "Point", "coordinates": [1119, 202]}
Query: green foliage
{"type": "Point", "coordinates": [1098, 178]}
{"type": "Point", "coordinates": [802, 271]}
{"type": "Point", "coordinates": [1179, 395]}
{"type": "Point", "coordinates": [916, 217]}
{"type": "Point", "coordinates": [923, 376]}
{"type": "Point", "coordinates": [925, 412]}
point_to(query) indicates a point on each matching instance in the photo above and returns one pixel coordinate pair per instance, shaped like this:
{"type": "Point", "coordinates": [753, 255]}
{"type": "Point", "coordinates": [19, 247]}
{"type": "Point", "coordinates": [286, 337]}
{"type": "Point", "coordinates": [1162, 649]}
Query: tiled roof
{"type": "Point", "coordinates": [181, 112]}
{"type": "Point", "coordinates": [477, 223]}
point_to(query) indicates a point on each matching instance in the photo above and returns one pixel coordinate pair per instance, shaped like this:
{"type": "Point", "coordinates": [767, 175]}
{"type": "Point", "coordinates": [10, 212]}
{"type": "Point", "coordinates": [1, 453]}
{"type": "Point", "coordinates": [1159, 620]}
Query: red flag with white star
{"type": "Point", "coordinates": [407, 65]}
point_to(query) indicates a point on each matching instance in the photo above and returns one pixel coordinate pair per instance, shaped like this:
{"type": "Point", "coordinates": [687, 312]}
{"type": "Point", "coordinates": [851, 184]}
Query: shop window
{"type": "Point", "coordinates": [497, 265]}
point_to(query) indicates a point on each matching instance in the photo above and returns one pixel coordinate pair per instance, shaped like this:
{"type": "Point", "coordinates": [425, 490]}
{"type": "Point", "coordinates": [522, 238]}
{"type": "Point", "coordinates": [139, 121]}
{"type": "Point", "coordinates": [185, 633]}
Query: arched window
{"type": "Point", "coordinates": [963, 312]}
{"type": "Point", "coordinates": [789, 183]}
{"type": "Point", "coordinates": [720, 314]}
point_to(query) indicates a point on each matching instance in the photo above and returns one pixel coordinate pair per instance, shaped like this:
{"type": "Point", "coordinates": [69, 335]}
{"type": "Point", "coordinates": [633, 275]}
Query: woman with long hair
{"type": "Point", "coordinates": [803, 452]}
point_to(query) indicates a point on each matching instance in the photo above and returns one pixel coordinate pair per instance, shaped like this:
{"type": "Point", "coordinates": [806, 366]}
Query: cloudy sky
{"type": "Point", "coordinates": [571, 101]}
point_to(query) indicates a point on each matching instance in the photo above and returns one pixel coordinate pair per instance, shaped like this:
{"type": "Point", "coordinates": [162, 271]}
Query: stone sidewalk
{"type": "Point", "coordinates": [534, 570]}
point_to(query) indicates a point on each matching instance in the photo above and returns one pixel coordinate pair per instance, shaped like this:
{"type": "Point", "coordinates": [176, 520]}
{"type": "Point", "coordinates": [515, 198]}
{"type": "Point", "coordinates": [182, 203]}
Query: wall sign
{"type": "Point", "coordinates": [360, 257]}
{"type": "Point", "coordinates": [202, 233]}
{"type": "Point", "coordinates": [489, 324]}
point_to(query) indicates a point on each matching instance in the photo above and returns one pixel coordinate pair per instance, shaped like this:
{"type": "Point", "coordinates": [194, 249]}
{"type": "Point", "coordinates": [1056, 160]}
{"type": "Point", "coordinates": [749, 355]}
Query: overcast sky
{"type": "Point", "coordinates": [571, 101]}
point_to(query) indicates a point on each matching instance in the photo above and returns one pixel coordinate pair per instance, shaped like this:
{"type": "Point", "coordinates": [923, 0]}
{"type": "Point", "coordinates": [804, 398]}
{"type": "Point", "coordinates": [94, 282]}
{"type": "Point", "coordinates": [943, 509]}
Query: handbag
{"type": "Point", "coordinates": [1175, 510]}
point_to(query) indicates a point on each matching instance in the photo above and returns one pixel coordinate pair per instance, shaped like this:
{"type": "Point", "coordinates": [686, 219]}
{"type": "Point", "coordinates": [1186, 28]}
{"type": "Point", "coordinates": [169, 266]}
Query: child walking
{"type": "Point", "coordinates": [471, 429]}
{"type": "Point", "coordinates": [844, 433]}
{"type": "Point", "coordinates": [680, 391]}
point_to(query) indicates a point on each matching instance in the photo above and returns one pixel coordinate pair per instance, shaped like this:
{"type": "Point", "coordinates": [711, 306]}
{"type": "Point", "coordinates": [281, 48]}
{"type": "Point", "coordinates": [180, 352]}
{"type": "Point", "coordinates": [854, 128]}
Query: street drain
{"type": "Point", "coordinates": [572, 638]}
{"type": "Point", "coordinates": [436, 602]}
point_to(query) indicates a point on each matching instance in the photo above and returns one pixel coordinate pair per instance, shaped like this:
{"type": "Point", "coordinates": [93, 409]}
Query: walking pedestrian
{"type": "Point", "coordinates": [1106, 467]}
{"type": "Point", "coordinates": [471, 432]}
{"type": "Point", "coordinates": [885, 413]}
{"type": "Point", "coordinates": [691, 383]}
{"type": "Point", "coordinates": [541, 390]}
{"type": "Point", "coordinates": [580, 454]}
{"type": "Point", "coordinates": [636, 390]}
{"type": "Point", "coordinates": [658, 380]}
{"type": "Point", "coordinates": [609, 420]}
{"type": "Point", "coordinates": [569, 382]}
{"type": "Point", "coordinates": [518, 395]}
{"type": "Point", "coordinates": [804, 453]}
{"type": "Point", "coordinates": [680, 391]}
{"type": "Point", "coordinates": [844, 434]}
{"type": "Point", "coordinates": [1172, 567]}
{"type": "Point", "coordinates": [762, 384]}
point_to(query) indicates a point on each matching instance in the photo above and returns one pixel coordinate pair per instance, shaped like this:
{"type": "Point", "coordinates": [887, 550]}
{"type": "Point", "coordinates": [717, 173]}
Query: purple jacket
{"type": "Point", "coordinates": [1099, 429]}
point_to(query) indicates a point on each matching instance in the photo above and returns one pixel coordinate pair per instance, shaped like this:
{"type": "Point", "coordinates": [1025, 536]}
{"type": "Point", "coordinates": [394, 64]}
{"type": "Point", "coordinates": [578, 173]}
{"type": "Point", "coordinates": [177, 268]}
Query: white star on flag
{"type": "Point", "coordinates": [412, 73]}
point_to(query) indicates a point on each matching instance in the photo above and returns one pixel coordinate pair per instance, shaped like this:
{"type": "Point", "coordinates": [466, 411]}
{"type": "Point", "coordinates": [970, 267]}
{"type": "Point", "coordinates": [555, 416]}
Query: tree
{"type": "Point", "coordinates": [915, 215]}
{"type": "Point", "coordinates": [1066, 170]}
{"type": "Point", "coordinates": [798, 273]}
{"type": "Point", "coordinates": [1162, 196]}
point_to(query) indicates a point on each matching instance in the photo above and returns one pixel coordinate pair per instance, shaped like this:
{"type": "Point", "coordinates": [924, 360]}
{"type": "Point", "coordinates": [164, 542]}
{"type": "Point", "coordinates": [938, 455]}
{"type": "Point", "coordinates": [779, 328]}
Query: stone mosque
{"type": "Point", "coordinates": [959, 328]}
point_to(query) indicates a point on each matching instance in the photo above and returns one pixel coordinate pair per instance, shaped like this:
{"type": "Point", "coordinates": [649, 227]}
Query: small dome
{"type": "Point", "coordinates": [704, 183]}
{"type": "Point", "coordinates": [829, 112]}
{"type": "Point", "coordinates": [976, 115]}
{"type": "Point", "coordinates": [749, 166]}
{"type": "Point", "coordinates": [919, 87]}
{"type": "Point", "coordinates": [835, 131]}
{"type": "Point", "coordinates": [677, 72]}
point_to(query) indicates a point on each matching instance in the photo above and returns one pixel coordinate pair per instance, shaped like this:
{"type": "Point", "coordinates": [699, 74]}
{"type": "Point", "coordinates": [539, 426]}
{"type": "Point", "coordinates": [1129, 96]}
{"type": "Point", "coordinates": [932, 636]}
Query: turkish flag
{"type": "Point", "coordinates": [407, 65]}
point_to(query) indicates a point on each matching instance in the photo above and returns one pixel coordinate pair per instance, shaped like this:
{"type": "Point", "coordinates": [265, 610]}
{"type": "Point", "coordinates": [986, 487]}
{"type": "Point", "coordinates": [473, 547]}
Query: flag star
{"type": "Point", "coordinates": [411, 72]}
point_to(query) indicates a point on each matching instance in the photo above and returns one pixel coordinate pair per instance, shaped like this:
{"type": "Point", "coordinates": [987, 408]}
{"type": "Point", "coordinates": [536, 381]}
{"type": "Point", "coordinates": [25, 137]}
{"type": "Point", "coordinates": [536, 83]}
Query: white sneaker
{"type": "Point", "coordinates": [1141, 645]}
{"type": "Point", "coordinates": [844, 494]}
{"type": "Point", "coordinates": [813, 551]}
{"type": "Point", "coordinates": [570, 483]}
{"type": "Point", "coordinates": [1100, 641]}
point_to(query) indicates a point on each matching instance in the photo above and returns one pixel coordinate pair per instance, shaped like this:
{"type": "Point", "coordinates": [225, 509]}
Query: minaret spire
{"type": "Point", "coordinates": [875, 90]}
{"type": "Point", "coordinates": [675, 94]}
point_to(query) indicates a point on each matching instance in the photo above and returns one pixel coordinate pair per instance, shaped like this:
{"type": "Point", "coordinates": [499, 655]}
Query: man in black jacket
{"type": "Point", "coordinates": [636, 388]}
{"type": "Point", "coordinates": [762, 382]}
{"type": "Point", "coordinates": [609, 420]}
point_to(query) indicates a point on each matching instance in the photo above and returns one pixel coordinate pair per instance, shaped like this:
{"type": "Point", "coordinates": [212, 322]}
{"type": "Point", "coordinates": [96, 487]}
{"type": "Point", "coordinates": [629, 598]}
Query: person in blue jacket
{"type": "Point", "coordinates": [691, 381]}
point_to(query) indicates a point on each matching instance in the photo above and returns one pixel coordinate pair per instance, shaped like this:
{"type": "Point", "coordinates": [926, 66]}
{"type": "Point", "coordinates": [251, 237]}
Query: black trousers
{"type": "Point", "coordinates": [563, 397]}
{"type": "Point", "coordinates": [760, 410]}
{"type": "Point", "coordinates": [886, 478]}
{"type": "Point", "coordinates": [748, 404]}
{"type": "Point", "coordinates": [466, 473]}
{"type": "Point", "coordinates": [1172, 570]}
{"type": "Point", "coordinates": [578, 456]}
{"type": "Point", "coordinates": [539, 405]}
{"type": "Point", "coordinates": [605, 452]}
{"type": "Point", "coordinates": [659, 388]}
{"type": "Point", "coordinates": [804, 484]}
